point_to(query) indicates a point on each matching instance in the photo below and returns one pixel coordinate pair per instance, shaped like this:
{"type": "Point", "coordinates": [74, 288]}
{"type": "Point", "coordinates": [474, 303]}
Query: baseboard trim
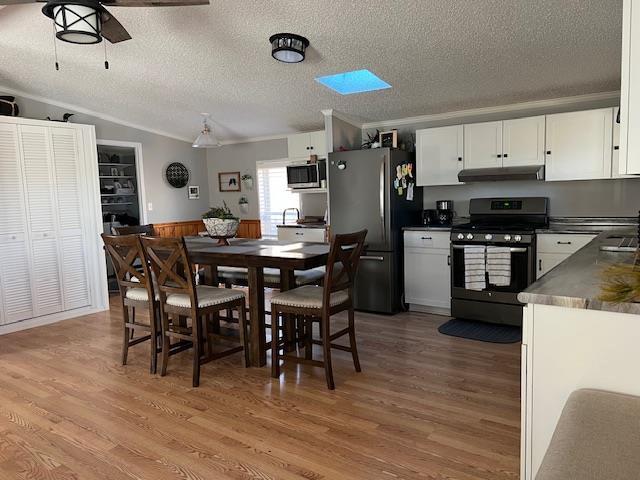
{"type": "Point", "coordinates": [48, 319]}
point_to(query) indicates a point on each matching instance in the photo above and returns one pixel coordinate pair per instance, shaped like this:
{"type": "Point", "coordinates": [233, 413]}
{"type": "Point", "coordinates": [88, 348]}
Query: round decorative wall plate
{"type": "Point", "coordinates": [177, 175]}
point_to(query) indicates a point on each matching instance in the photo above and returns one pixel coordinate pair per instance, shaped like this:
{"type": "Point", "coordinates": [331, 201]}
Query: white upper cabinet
{"type": "Point", "coordinates": [439, 155]}
{"type": "Point", "coordinates": [630, 92]}
{"type": "Point", "coordinates": [483, 145]}
{"type": "Point", "coordinates": [578, 145]}
{"type": "Point", "coordinates": [302, 145]}
{"type": "Point", "coordinates": [523, 141]}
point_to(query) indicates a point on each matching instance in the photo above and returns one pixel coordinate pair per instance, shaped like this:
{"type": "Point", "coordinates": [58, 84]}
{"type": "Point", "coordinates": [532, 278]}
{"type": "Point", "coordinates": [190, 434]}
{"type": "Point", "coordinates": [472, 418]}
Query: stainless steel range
{"type": "Point", "coordinates": [498, 247]}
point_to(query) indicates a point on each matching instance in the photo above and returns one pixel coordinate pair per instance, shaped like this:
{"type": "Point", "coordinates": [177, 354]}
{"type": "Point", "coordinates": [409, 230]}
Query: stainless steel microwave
{"type": "Point", "coordinates": [305, 175]}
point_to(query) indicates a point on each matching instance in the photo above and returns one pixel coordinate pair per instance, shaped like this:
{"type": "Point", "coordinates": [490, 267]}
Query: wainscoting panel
{"type": "Point", "coordinates": [247, 229]}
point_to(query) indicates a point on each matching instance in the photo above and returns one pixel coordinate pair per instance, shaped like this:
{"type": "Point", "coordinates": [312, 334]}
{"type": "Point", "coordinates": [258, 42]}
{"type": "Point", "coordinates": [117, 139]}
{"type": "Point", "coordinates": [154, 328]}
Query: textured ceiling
{"type": "Point", "coordinates": [438, 55]}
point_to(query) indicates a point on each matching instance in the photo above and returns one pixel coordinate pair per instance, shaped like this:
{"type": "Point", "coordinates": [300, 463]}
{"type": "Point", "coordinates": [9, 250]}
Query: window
{"type": "Point", "coordinates": [274, 196]}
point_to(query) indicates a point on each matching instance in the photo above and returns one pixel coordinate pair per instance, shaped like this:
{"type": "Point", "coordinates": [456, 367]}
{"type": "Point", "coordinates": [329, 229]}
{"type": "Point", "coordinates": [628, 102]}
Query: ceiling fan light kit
{"type": "Point", "coordinates": [78, 21]}
{"type": "Point", "coordinates": [288, 47]}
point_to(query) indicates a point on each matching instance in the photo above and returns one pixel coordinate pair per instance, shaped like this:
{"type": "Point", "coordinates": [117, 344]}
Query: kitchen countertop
{"type": "Point", "coordinates": [575, 283]}
{"type": "Point", "coordinates": [592, 225]}
{"type": "Point", "coordinates": [303, 225]}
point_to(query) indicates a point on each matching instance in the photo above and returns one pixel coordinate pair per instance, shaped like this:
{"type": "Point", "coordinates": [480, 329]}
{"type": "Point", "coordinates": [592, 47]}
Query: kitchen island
{"type": "Point", "coordinates": [573, 340]}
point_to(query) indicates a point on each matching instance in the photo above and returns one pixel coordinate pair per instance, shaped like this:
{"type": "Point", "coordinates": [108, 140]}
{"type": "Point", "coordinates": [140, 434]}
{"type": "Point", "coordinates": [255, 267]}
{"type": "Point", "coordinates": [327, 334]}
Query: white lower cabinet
{"type": "Point", "coordinates": [293, 234]}
{"type": "Point", "coordinates": [427, 271]}
{"type": "Point", "coordinates": [554, 248]}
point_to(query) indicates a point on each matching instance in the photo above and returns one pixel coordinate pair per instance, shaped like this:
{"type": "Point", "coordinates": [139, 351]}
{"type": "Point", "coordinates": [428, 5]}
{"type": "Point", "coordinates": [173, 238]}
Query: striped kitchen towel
{"type": "Point", "coordinates": [475, 267]}
{"type": "Point", "coordinates": [499, 266]}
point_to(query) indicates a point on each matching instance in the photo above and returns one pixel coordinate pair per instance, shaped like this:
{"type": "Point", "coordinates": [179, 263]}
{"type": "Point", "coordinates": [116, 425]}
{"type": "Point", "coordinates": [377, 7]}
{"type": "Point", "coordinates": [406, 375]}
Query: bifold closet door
{"type": "Point", "coordinates": [66, 148]}
{"type": "Point", "coordinates": [41, 213]}
{"type": "Point", "coordinates": [15, 272]}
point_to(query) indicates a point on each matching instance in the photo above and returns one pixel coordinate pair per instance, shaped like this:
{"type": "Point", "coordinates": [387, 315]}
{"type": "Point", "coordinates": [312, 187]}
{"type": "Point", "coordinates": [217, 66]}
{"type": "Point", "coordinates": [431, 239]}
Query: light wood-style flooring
{"type": "Point", "coordinates": [426, 406]}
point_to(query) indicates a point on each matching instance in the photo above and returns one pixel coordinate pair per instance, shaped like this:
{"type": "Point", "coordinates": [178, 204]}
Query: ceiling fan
{"type": "Point", "coordinates": [87, 21]}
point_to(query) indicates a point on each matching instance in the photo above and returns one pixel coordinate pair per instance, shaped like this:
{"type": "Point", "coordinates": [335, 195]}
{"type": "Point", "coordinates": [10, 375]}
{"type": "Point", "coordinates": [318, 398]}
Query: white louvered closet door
{"type": "Point", "coordinates": [41, 213]}
{"type": "Point", "coordinates": [15, 284]}
{"type": "Point", "coordinates": [75, 282]}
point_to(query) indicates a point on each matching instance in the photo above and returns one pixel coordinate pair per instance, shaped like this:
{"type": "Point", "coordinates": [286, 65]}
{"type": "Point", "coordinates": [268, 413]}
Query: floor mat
{"type": "Point", "coordinates": [481, 331]}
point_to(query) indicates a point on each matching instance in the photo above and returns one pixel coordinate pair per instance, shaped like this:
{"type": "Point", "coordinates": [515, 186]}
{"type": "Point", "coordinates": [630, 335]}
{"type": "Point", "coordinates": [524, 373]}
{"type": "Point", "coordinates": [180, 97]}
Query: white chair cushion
{"type": "Point", "coordinates": [207, 296]}
{"type": "Point", "coordinates": [137, 294]}
{"type": "Point", "coordinates": [308, 296]}
{"type": "Point", "coordinates": [233, 273]}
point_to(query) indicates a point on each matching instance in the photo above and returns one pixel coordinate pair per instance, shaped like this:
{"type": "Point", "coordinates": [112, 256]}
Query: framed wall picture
{"type": "Point", "coordinates": [194, 192]}
{"type": "Point", "coordinates": [229, 181]}
{"type": "Point", "coordinates": [389, 139]}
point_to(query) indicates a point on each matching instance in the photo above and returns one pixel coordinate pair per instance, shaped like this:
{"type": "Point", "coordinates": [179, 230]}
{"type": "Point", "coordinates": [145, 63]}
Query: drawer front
{"type": "Point", "coordinates": [427, 239]}
{"type": "Point", "coordinates": [316, 235]}
{"type": "Point", "coordinates": [562, 243]}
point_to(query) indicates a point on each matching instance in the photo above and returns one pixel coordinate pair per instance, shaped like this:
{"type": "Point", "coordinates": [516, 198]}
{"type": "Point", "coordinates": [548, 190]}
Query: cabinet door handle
{"type": "Point", "coordinates": [563, 243]}
{"type": "Point", "coordinates": [505, 155]}
{"type": "Point", "coordinates": [449, 260]}
{"type": "Point", "coordinates": [617, 147]}
{"type": "Point", "coordinates": [548, 152]}
{"type": "Point", "coordinates": [540, 265]}
{"type": "Point", "coordinates": [459, 159]}
{"type": "Point", "coordinates": [299, 233]}
{"type": "Point", "coordinates": [426, 238]}
{"type": "Point", "coordinates": [499, 156]}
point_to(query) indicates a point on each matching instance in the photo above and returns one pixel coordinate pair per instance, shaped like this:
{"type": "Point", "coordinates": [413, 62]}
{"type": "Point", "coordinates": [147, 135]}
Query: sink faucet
{"type": "Point", "coordinates": [284, 214]}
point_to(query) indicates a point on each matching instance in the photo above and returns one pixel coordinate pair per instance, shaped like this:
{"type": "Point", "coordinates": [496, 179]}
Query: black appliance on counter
{"type": "Point", "coordinates": [441, 216]}
{"type": "Point", "coordinates": [430, 217]}
{"type": "Point", "coordinates": [508, 222]}
{"type": "Point", "coordinates": [364, 193]}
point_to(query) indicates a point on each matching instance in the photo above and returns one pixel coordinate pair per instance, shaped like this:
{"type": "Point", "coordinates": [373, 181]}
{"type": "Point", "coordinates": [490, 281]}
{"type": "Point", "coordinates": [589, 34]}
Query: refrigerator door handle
{"type": "Point", "coordinates": [372, 257]}
{"type": "Point", "coordinates": [382, 215]}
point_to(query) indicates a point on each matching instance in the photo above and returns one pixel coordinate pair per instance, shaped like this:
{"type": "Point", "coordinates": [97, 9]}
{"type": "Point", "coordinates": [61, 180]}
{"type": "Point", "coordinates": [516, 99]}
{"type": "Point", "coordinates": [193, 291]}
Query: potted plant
{"type": "Point", "coordinates": [221, 223]}
{"type": "Point", "coordinates": [247, 179]}
{"type": "Point", "coordinates": [244, 204]}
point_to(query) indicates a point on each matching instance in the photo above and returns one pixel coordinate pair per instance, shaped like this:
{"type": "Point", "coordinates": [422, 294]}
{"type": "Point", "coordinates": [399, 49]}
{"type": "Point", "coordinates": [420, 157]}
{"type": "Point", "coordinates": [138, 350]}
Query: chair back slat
{"type": "Point", "coordinates": [171, 266]}
{"type": "Point", "coordinates": [147, 230]}
{"type": "Point", "coordinates": [128, 262]}
{"type": "Point", "coordinates": [344, 254]}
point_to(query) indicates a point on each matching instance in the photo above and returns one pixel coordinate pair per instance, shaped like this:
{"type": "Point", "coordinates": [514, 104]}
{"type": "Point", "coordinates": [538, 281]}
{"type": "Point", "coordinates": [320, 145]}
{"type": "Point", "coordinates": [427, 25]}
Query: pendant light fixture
{"type": "Point", "coordinates": [288, 47]}
{"type": "Point", "coordinates": [76, 21]}
{"type": "Point", "coordinates": [206, 139]}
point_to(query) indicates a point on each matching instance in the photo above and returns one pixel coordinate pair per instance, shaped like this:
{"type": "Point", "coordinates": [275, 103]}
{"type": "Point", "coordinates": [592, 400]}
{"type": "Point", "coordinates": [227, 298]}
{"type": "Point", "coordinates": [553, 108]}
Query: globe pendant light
{"type": "Point", "coordinates": [288, 47]}
{"type": "Point", "coordinates": [206, 139]}
{"type": "Point", "coordinates": [75, 21]}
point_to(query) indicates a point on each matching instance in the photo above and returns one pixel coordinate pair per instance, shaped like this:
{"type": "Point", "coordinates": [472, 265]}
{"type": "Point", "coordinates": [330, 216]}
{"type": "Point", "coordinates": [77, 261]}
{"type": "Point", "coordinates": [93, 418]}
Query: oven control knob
{"type": "Point", "coordinates": [469, 236]}
{"type": "Point", "coordinates": [488, 236]}
{"type": "Point", "coordinates": [461, 236]}
{"type": "Point", "coordinates": [517, 238]}
{"type": "Point", "coordinates": [507, 238]}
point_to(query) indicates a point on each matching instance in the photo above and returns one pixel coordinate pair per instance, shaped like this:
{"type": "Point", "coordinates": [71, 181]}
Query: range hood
{"type": "Point", "coordinates": [528, 172]}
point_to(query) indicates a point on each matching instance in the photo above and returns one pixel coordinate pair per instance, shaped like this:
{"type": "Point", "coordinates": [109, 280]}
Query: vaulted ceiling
{"type": "Point", "coordinates": [438, 55]}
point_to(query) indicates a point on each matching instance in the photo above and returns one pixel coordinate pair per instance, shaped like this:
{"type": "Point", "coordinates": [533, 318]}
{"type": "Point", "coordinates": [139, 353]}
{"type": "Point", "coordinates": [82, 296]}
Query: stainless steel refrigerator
{"type": "Point", "coordinates": [371, 189]}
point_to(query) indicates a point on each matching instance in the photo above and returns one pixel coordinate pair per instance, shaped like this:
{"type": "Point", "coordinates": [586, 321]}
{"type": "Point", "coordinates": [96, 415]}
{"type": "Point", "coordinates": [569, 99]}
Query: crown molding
{"type": "Point", "coordinates": [86, 111]}
{"type": "Point", "coordinates": [511, 108]}
{"type": "Point", "coordinates": [257, 139]}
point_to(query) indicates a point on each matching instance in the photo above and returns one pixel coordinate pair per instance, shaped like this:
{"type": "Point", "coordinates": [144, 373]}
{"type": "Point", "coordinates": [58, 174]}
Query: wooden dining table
{"type": "Point", "coordinates": [255, 256]}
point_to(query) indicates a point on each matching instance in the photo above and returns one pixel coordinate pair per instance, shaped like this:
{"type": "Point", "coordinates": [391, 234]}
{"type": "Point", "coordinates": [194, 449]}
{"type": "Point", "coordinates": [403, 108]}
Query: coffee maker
{"type": "Point", "coordinates": [445, 213]}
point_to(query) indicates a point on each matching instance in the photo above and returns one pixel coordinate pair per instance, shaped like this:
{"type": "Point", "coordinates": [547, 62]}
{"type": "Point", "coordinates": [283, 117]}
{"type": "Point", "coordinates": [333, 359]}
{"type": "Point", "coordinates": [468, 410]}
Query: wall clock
{"type": "Point", "coordinates": [177, 175]}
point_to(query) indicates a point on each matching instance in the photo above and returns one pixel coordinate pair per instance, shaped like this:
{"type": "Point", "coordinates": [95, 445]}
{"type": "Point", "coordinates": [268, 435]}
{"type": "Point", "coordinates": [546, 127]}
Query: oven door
{"type": "Point", "coordinates": [303, 176]}
{"type": "Point", "coordinates": [522, 271]}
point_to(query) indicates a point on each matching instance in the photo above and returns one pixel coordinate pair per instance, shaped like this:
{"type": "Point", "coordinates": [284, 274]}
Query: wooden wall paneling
{"type": "Point", "coordinates": [247, 228]}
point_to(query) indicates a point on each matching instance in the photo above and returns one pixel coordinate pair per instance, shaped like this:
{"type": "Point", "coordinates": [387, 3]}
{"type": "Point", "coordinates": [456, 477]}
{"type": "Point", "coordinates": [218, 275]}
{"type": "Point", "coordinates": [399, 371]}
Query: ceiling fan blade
{"type": "Point", "coordinates": [154, 3]}
{"type": "Point", "coordinates": [112, 29]}
{"type": "Point", "coordinates": [16, 2]}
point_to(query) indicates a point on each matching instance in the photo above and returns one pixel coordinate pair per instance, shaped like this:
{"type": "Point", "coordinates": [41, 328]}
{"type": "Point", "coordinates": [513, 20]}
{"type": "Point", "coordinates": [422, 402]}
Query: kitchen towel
{"type": "Point", "coordinates": [499, 266]}
{"type": "Point", "coordinates": [475, 267]}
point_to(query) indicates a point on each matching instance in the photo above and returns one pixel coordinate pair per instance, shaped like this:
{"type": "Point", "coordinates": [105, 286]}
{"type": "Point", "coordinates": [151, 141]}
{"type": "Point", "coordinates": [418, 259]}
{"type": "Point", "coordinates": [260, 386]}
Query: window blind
{"type": "Point", "coordinates": [274, 196]}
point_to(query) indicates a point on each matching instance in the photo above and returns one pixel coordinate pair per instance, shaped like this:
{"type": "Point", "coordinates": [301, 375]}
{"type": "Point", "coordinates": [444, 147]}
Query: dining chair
{"type": "Point", "coordinates": [310, 304]}
{"type": "Point", "coordinates": [181, 299]}
{"type": "Point", "coordinates": [136, 291]}
{"type": "Point", "coordinates": [134, 229]}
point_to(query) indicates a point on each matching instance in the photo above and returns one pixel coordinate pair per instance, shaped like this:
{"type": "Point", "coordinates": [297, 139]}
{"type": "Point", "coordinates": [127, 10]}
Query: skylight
{"type": "Point", "coordinates": [357, 81]}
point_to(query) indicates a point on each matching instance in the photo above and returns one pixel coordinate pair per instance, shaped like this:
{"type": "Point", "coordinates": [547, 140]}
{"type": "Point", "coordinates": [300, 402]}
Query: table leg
{"type": "Point", "coordinates": [287, 282]}
{"type": "Point", "coordinates": [256, 309]}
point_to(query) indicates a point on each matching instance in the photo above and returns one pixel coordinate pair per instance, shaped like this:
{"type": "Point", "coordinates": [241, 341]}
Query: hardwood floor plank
{"type": "Point", "coordinates": [426, 406]}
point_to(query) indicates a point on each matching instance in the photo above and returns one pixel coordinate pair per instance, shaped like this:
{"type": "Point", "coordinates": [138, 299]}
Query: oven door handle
{"type": "Point", "coordinates": [512, 249]}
